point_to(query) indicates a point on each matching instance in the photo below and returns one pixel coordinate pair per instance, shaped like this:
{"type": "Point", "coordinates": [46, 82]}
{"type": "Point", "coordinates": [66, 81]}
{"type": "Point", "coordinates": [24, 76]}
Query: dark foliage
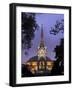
{"type": "Point", "coordinates": [25, 71]}
{"type": "Point", "coordinates": [29, 26]}
{"type": "Point", "coordinates": [59, 63]}
{"type": "Point", "coordinates": [59, 50]}
{"type": "Point", "coordinates": [59, 26]}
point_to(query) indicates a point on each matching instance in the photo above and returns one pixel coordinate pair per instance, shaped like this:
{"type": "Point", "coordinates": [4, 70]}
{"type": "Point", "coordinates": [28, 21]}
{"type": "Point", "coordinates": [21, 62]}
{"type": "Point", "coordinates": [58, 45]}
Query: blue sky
{"type": "Point", "coordinates": [48, 21]}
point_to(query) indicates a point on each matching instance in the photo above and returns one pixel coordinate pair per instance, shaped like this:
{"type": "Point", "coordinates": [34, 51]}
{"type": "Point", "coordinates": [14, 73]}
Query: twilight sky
{"type": "Point", "coordinates": [48, 21]}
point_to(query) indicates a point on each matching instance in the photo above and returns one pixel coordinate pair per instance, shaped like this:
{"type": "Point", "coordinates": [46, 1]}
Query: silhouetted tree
{"type": "Point", "coordinates": [59, 26]}
{"type": "Point", "coordinates": [59, 63]}
{"type": "Point", "coordinates": [29, 26]}
{"type": "Point", "coordinates": [59, 50]}
{"type": "Point", "coordinates": [25, 71]}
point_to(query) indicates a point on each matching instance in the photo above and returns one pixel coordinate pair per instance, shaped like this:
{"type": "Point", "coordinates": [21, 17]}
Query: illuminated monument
{"type": "Point", "coordinates": [41, 63]}
{"type": "Point", "coordinates": [42, 49]}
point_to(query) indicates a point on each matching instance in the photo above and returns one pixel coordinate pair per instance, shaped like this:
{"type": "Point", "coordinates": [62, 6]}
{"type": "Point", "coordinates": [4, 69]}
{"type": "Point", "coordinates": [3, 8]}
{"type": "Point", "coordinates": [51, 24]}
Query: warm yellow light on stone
{"type": "Point", "coordinates": [34, 63]}
{"type": "Point", "coordinates": [28, 63]}
{"type": "Point", "coordinates": [49, 68]}
{"type": "Point", "coordinates": [49, 63]}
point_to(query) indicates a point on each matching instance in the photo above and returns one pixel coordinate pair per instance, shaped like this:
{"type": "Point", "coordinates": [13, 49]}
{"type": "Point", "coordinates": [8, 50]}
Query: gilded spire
{"type": "Point", "coordinates": [42, 48]}
{"type": "Point", "coordinates": [42, 37]}
{"type": "Point", "coordinates": [42, 32]}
